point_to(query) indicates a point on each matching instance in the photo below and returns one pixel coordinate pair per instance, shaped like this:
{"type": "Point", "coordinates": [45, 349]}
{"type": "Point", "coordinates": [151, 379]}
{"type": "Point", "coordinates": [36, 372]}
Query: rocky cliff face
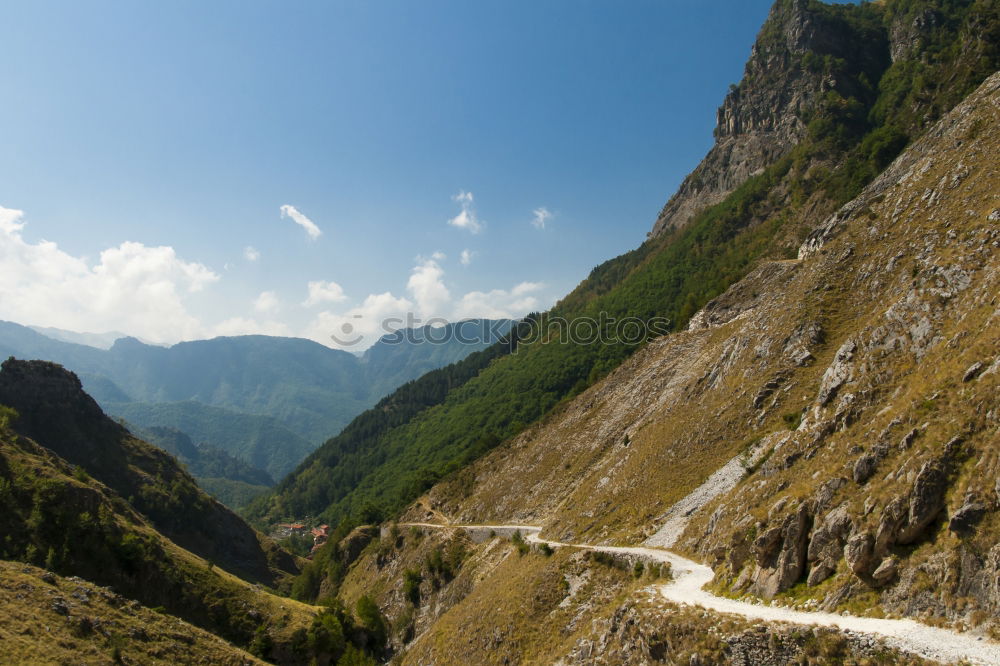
{"type": "Point", "coordinates": [765, 116]}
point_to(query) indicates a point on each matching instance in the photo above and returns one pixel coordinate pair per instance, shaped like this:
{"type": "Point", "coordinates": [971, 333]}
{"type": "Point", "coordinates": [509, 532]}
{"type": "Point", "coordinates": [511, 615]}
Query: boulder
{"type": "Point", "coordinates": [893, 519]}
{"type": "Point", "coordinates": [860, 553]}
{"type": "Point", "coordinates": [837, 374]}
{"type": "Point", "coordinates": [865, 467]}
{"type": "Point", "coordinates": [968, 516]}
{"type": "Point", "coordinates": [886, 571]}
{"type": "Point", "coordinates": [973, 371]}
{"type": "Point", "coordinates": [926, 500]}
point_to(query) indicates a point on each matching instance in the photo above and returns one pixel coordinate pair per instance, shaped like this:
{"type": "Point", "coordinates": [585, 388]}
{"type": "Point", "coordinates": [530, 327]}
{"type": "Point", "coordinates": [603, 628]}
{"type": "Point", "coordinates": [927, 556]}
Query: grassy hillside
{"type": "Point", "coordinates": [387, 456]}
{"type": "Point", "coordinates": [87, 624]}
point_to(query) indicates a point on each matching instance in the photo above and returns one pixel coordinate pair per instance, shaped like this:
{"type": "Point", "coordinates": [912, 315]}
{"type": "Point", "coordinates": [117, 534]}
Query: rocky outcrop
{"type": "Point", "coordinates": [860, 553]}
{"type": "Point", "coordinates": [926, 501]}
{"type": "Point", "coordinates": [826, 545]}
{"type": "Point", "coordinates": [763, 118]}
{"type": "Point", "coordinates": [780, 554]}
{"type": "Point", "coordinates": [350, 546]}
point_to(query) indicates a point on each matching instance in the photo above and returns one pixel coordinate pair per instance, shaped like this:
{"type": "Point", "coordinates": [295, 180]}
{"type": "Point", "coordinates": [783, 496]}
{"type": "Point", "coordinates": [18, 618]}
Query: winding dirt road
{"type": "Point", "coordinates": [690, 578]}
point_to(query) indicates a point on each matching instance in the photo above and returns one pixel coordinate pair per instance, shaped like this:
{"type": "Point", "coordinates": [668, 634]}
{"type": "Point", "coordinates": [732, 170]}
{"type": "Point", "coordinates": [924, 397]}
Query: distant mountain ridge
{"type": "Point", "coordinates": [268, 401]}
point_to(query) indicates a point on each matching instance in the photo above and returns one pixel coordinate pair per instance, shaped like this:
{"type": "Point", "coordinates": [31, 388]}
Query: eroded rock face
{"type": "Point", "coordinates": [761, 120]}
{"type": "Point", "coordinates": [837, 374]}
{"type": "Point", "coordinates": [826, 546]}
{"type": "Point", "coordinates": [926, 501]}
{"type": "Point", "coordinates": [355, 542]}
{"type": "Point", "coordinates": [780, 553]}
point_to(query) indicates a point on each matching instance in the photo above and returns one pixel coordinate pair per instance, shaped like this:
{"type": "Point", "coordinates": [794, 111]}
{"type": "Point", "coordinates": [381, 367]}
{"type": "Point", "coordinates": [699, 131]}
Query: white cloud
{"type": "Point", "coordinates": [324, 292]}
{"type": "Point", "coordinates": [301, 220]}
{"type": "Point", "coordinates": [498, 303]}
{"type": "Point", "coordinates": [133, 288]}
{"type": "Point", "coordinates": [466, 218]}
{"type": "Point", "coordinates": [429, 298]}
{"type": "Point", "coordinates": [360, 326]}
{"type": "Point", "coordinates": [466, 257]}
{"type": "Point", "coordinates": [540, 216]}
{"type": "Point", "coordinates": [250, 253]}
{"type": "Point", "coordinates": [10, 220]}
{"type": "Point", "coordinates": [267, 302]}
{"type": "Point", "coordinates": [426, 286]}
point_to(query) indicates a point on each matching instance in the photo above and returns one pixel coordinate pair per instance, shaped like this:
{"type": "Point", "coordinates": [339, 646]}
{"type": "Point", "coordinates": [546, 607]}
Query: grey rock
{"type": "Point", "coordinates": [968, 516]}
{"type": "Point", "coordinates": [893, 519]}
{"type": "Point", "coordinates": [926, 500]}
{"type": "Point", "coordinates": [781, 554]}
{"type": "Point", "coordinates": [886, 571]}
{"type": "Point", "coordinates": [865, 467]}
{"type": "Point", "coordinates": [973, 371]}
{"type": "Point", "coordinates": [837, 374]}
{"type": "Point", "coordinates": [827, 544]}
{"type": "Point", "coordinates": [860, 553]}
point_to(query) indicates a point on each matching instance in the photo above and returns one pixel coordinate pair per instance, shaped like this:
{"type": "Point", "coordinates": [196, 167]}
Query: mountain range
{"type": "Point", "coordinates": [266, 401]}
{"type": "Point", "coordinates": [801, 467]}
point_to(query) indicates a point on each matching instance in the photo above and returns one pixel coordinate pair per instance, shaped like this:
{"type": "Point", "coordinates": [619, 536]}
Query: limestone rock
{"type": "Point", "coordinates": [926, 500]}
{"type": "Point", "coordinates": [837, 374]}
{"type": "Point", "coordinates": [827, 544]}
{"type": "Point", "coordinates": [781, 554]}
{"type": "Point", "coordinates": [860, 553]}
{"type": "Point", "coordinates": [886, 571]}
{"type": "Point", "coordinates": [968, 516]}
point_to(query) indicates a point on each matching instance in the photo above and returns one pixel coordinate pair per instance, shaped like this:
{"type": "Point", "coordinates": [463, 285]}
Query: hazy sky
{"type": "Point", "coordinates": [179, 170]}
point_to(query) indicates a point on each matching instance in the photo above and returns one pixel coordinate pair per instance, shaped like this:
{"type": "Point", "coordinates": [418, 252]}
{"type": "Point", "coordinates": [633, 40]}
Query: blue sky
{"type": "Point", "coordinates": [153, 143]}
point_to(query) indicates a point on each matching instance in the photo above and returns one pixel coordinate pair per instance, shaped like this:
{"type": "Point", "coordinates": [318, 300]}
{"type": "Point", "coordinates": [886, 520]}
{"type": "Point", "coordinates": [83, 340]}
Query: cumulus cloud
{"type": "Point", "coordinates": [466, 218]}
{"type": "Point", "coordinates": [426, 286]}
{"type": "Point", "coordinates": [131, 287]}
{"type": "Point", "coordinates": [267, 302]}
{"type": "Point", "coordinates": [466, 257]}
{"type": "Point", "coordinates": [428, 298]}
{"type": "Point", "coordinates": [360, 326]}
{"type": "Point", "coordinates": [540, 216]}
{"type": "Point", "coordinates": [498, 303]}
{"type": "Point", "coordinates": [324, 292]}
{"type": "Point", "coordinates": [250, 253]}
{"type": "Point", "coordinates": [298, 218]}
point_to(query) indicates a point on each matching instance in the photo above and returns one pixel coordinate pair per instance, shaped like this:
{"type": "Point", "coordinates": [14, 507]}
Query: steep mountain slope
{"type": "Point", "coordinates": [855, 390]}
{"type": "Point", "coordinates": [104, 518]}
{"type": "Point", "coordinates": [866, 110]}
{"type": "Point", "coordinates": [55, 412]}
{"type": "Point", "coordinates": [87, 624]}
{"type": "Point", "coordinates": [56, 515]}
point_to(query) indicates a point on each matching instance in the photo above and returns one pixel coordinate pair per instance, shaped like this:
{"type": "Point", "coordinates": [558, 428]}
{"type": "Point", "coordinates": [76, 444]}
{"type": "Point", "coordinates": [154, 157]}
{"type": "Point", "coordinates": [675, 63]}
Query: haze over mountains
{"type": "Point", "coordinates": [265, 401]}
